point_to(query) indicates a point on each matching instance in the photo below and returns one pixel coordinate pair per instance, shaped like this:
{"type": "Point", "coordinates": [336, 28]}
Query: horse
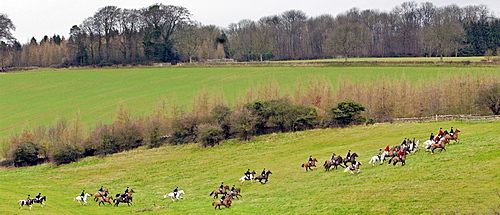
{"type": "Point", "coordinates": [40, 200]}
{"type": "Point", "coordinates": [441, 145]}
{"type": "Point", "coordinates": [82, 199]}
{"type": "Point", "coordinates": [264, 177]}
{"type": "Point", "coordinates": [455, 136]}
{"type": "Point", "coordinates": [235, 193]}
{"type": "Point", "coordinates": [28, 202]}
{"type": "Point", "coordinates": [413, 147]}
{"type": "Point", "coordinates": [227, 202]}
{"type": "Point", "coordinates": [427, 144]}
{"type": "Point", "coordinates": [355, 168]}
{"type": "Point", "coordinates": [171, 195]}
{"type": "Point", "coordinates": [245, 178]}
{"type": "Point", "coordinates": [217, 192]}
{"type": "Point", "coordinates": [125, 199]}
{"type": "Point", "coordinates": [309, 165]}
{"type": "Point", "coordinates": [100, 194]}
{"type": "Point", "coordinates": [336, 162]}
{"type": "Point", "coordinates": [376, 158]}
{"type": "Point", "coordinates": [351, 159]}
{"type": "Point", "coordinates": [104, 200]}
{"type": "Point", "coordinates": [396, 159]}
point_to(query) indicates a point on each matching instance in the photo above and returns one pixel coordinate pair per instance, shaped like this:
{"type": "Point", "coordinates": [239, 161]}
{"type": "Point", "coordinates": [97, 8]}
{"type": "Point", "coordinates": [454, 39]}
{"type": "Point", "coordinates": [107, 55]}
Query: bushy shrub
{"type": "Point", "coordinates": [243, 124]}
{"type": "Point", "coordinates": [28, 154]}
{"type": "Point", "coordinates": [67, 153]}
{"type": "Point", "coordinates": [184, 129]}
{"type": "Point", "coordinates": [346, 112]}
{"type": "Point", "coordinates": [209, 135]}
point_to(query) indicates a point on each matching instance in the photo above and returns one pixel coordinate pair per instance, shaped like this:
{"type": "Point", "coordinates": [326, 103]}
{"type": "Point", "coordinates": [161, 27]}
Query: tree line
{"type": "Point", "coordinates": [166, 33]}
{"type": "Point", "coordinates": [263, 110]}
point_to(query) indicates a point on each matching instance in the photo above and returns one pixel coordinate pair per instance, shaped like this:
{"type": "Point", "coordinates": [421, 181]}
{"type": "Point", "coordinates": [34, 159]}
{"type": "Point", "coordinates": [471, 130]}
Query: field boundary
{"type": "Point", "coordinates": [439, 118]}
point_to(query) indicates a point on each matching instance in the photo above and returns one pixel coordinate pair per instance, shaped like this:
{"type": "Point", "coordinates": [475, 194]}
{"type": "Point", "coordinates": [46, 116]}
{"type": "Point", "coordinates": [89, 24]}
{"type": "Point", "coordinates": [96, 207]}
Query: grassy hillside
{"type": "Point", "coordinates": [465, 179]}
{"type": "Point", "coordinates": [40, 97]}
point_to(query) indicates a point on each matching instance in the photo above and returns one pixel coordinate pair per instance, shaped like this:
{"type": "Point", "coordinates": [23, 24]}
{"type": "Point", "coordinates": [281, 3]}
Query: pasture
{"type": "Point", "coordinates": [40, 97]}
{"type": "Point", "coordinates": [464, 180]}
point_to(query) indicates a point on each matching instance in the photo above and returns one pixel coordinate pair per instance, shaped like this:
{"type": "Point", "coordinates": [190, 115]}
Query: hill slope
{"type": "Point", "coordinates": [465, 179]}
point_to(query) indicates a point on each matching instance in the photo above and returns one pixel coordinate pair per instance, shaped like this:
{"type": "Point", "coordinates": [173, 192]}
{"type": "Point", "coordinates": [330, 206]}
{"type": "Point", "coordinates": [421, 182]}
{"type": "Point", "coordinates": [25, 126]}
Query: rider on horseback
{"type": "Point", "coordinates": [232, 189]}
{"type": "Point", "coordinates": [333, 157]}
{"type": "Point", "coordinates": [310, 160]}
{"type": "Point", "coordinates": [263, 172]}
{"type": "Point", "coordinates": [451, 131]}
{"type": "Point", "coordinates": [440, 133]}
{"type": "Point", "coordinates": [400, 154]}
{"type": "Point", "coordinates": [175, 192]}
{"type": "Point", "coordinates": [28, 197]}
{"type": "Point", "coordinates": [221, 186]}
{"type": "Point", "coordinates": [348, 156]}
{"type": "Point", "coordinates": [379, 154]}
{"type": "Point", "coordinates": [83, 193]}
{"type": "Point", "coordinates": [431, 137]}
{"type": "Point", "coordinates": [38, 196]}
{"type": "Point", "coordinates": [247, 174]}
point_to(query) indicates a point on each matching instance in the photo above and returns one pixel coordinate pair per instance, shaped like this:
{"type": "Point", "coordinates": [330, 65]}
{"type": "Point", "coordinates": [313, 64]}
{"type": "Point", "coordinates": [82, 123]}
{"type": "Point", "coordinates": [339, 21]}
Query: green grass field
{"type": "Point", "coordinates": [465, 179]}
{"type": "Point", "coordinates": [40, 97]}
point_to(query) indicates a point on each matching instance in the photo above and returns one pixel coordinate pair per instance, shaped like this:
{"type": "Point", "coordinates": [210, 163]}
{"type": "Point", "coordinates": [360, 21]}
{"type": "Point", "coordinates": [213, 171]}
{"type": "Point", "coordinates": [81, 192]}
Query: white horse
{"type": "Point", "coordinates": [245, 178]}
{"type": "Point", "coordinates": [171, 195]}
{"type": "Point", "coordinates": [356, 168]}
{"type": "Point", "coordinates": [82, 199]}
{"type": "Point", "coordinates": [427, 145]}
{"type": "Point", "coordinates": [414, 147]}
{"type": "Point", "coordinates": [25, 202]}
{"type": "Point", "coordinates": [374, 159]}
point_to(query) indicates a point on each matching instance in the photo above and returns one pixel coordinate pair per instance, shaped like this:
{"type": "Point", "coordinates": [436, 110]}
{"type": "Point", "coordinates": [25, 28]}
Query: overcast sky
{"type": "Point", "coordinates": [36, 18]}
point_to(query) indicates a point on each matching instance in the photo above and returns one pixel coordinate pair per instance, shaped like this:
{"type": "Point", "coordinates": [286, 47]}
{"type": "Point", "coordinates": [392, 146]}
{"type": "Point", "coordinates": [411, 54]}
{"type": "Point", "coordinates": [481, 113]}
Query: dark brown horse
{"type": "Point", "coordinates": [309, 165]}
{"type": "Point", "coordinates": [123, 200]}
{"type": "Point", "coordinates": [235, 193]}
{"type": "Point", "coordinates": [351, 159]}
{"type": "Point", "coordinates": [104, 200]}
{"type": "Point", "coordinates": [217, 192]}
{"type": "Point", "coordinates": [264, 177]}
{"type": "Point", "coordinates": [336, 162]}
{"type": "Point", "coordinates": [227, 202]}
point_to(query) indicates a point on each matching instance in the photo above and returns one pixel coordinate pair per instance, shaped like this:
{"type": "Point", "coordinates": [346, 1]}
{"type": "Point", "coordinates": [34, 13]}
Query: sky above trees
{"type": "Point", "coordinates": [34, 18]}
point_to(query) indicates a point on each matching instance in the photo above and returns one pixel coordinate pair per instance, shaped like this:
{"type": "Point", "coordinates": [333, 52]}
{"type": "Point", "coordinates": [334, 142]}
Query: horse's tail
{"type": "Point", "coordinates": [302, 165]}
{"type": "Point", "coordinates": [211, 193]}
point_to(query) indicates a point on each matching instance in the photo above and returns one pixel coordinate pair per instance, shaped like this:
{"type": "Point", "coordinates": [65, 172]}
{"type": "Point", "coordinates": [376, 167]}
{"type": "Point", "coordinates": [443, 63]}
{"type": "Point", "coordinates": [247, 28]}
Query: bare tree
{"type": "Point", "coordinates": [348, 39]}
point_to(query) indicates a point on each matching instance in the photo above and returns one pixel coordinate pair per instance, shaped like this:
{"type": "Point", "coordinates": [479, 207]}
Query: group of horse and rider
{"type": "Point", "coordinates": [337, 160]}
{"type": "Point", "coordinates": [29, 201]}
{"type": "Point", "coordinates": [102, 197]}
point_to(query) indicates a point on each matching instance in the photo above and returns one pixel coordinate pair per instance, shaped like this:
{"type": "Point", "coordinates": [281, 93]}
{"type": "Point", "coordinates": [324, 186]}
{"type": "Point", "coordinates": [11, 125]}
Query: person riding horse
{"type": "Point", "coordinates": [400, 154]}
{"type": "Point", "coordinates": [333, 157]}
{"type": "Point", "coordinates": [310, 160]}
{"type": "Point", "coordinates": [348, 156]}
{"type": "Point", "coordinates": [38, 196]}
{"type": "Point", "coordinates": [451, 131]}
{"type": "Point", "coordinates": [263, 172]}
{"type": "Point", "coordinates": [82, 194]}
{"type": "Point", "coordinates": [247, 174]}
{"type": "Point", "coordinates": [28, 197]}
{"type": "Point", "coordinates": [232, 189]}
{"type": "Point", "coordinates": [431, 137]}
{"type": "Point", "coordinates": [126, 192]}
{"type": "Point", "coordinates": [440, 133]}
{"type": "Point", "coordinates": [221, 187]}
{"type": "Point", "coordinates": [175, 192]}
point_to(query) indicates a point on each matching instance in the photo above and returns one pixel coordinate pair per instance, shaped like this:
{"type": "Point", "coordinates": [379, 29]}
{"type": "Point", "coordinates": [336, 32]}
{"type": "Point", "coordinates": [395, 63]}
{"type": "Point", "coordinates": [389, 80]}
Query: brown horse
{"type": "Point", "coordinates": [227, 202]}
{"type": "Point", "coordinates": [104, 200]}
{"type": "Point", "coordinates": [396, 159]}
{"type": "Point", "coordinates": [100, 194]}
{"type": "Point", "coordinates": [441, 145]}
{"type": "Point", "coordinates": [309, 165]}
{"type": "Point", "coordinates": [217, 192]}
{"type": "Point", "coordinates": [455, 136]}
